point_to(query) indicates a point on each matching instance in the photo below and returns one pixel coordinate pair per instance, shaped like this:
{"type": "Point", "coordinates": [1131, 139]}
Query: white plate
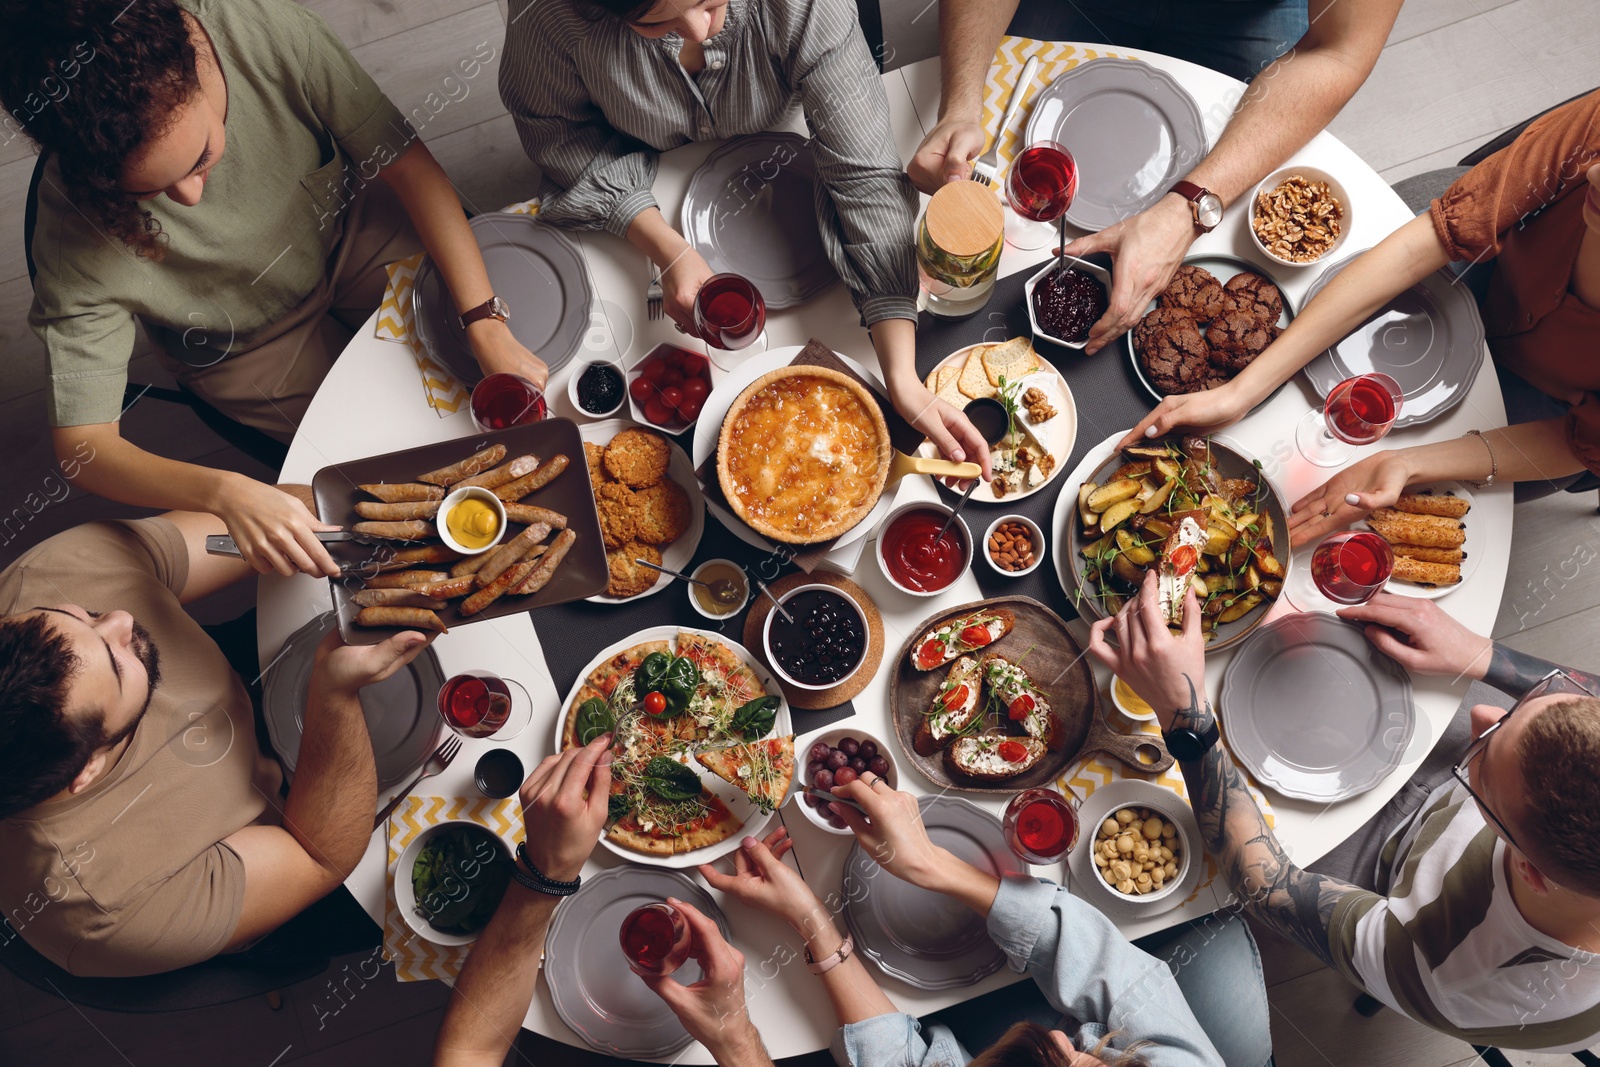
{"type": "Point", "coordinates": [1473, 547]}
{"type": "Point", "coordinates": [709, 428]}
{"type": "Point", "coordinates": [754, 821]}
{"type": "Point", "coordinates": [678, 554]}
{"type": "Point", "coordinates": [1058, 435]}
{"type": "Point", "coordinates": [1133, 793]}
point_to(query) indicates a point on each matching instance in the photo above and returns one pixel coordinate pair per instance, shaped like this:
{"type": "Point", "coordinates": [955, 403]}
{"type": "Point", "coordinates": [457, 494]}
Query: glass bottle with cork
{"type": "Point", "coordinates": [959, 240]}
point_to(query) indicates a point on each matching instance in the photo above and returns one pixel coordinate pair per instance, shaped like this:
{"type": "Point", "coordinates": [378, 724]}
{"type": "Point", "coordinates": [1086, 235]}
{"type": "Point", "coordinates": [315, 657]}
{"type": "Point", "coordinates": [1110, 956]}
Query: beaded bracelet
{"type": "Point", "coordinates": [1494, 463]}
{"type": "Point", "coordinates": [530, 876]}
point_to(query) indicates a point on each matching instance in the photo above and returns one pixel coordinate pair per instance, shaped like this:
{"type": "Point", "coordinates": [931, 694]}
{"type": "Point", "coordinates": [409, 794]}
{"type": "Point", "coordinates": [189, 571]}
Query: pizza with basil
{"type": "Point", "coordinates": [763, 769]}
{"type": "Point", "coordinates": [661, 703]}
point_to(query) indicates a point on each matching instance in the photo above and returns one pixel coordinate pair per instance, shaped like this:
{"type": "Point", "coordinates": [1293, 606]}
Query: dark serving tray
{"type": "Point", "coordinates": [582, 573]}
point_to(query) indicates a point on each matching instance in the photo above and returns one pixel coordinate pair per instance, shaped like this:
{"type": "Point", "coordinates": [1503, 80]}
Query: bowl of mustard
{"type": "Point", "coordinates": [471, 520]}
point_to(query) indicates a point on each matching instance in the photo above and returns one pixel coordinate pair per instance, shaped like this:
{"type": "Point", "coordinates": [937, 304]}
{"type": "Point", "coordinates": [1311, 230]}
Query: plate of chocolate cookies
{"type": "Point", "coordinates": [1216, 315]}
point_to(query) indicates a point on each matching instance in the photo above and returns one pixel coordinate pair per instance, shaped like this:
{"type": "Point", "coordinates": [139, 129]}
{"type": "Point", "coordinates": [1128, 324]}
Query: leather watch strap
{"type": "Point", "coordinates": [492, 308]}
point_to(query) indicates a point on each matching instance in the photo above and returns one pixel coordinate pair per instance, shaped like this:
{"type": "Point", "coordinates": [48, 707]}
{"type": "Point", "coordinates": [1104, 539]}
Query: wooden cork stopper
{"type": "Point", "coordinates": [965, 218]}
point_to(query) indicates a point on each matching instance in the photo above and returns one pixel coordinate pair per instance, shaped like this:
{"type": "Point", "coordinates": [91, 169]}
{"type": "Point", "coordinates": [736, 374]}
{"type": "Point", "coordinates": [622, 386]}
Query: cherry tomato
{"type": "Point", "coordinates": [976, 636]}
{"type": "Point", "coordinates": [655, 703]}
{"type": "Point", "coordinates": [693, 363]}
{"type": "Point", "coordinates": [655, 369]}
{"type": "Point", "coordinates": [672, 396]}
{"type": "Point", "coordinates": [1013, 751]}
{"type": "Point", "coordinates": [696, 388]}
{"type": "Point", "coordinates": [931, 654]}
{"type": "Point", "coordinates": [672, 376]}
{"type": "Point", "coordinates": [690, 409]}
{"type": "Point", "coordinates": [956, 697]}
{"type": "Point", "coordinates": [641, 390]}
{"type": "Point", "coordinates": [1019, 708]}
{"type": "Point", "coordinates": [1184, 559]}
{"type": "Point", "coordinates": [657, 412]}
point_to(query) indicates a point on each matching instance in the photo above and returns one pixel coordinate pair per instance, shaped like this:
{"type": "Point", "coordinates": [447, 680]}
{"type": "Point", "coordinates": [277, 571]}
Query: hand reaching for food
{"type": "Point", "coordinates": [1349, 496]}
{"type": "Point", "coordinates": [346, 669]}
{"type": "Point", "coordinates": [763, 881]}
{"type": "Point", "coordinates": [1201, 413]}
{"type": "Point", "coordinates": [564, 807]}
{"type": "Point", "coordinates": [1145, 252]}
{"type": "Point", "coordinates": [1158, 665]}
{"type": "Point", "coordinates": [1420, 636]}
{"type": "Point", "coordinates": [274, 531]}
{"type": "Point", "coordinates": [891, 831]}
{"type": "Point", "coordinates": [951, 432]}
{"type": "Point", "coordinates": [946, 154]}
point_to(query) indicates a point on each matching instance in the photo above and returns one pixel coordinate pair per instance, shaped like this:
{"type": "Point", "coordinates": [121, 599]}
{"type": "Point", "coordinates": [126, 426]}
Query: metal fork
{"type": "Point", "coordinates": [654, 296]}
{"type": "Point", "coordinates": [986, 168]}
{"type": "Point", "coordinates": [437, 762]}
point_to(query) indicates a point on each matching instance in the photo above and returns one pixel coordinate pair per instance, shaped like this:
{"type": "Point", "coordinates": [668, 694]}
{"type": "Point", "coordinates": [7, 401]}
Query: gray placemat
{"type": "Point", "coordinates": [1104, 387]}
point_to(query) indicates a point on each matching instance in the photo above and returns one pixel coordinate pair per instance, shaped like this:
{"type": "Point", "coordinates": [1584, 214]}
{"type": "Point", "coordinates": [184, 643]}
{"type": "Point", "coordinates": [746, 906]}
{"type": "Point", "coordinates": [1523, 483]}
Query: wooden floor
{"type": "Point", "coordinates": [1454, 74]}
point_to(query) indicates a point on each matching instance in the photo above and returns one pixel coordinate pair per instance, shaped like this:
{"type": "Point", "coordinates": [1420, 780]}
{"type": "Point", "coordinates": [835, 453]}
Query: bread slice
{"type": "Point", "coordinates": [1010, 683]}
{"type": "Point", "coordinates": [1012, 360]}
{"type": "Point", "coordinates": [980, 758]}
{"type": "Point", "coordinates": [951, 710]}
{"type": "Point", "coordinates": [974, 381]}
{"type": "Point", "coordinates": [947, 640]}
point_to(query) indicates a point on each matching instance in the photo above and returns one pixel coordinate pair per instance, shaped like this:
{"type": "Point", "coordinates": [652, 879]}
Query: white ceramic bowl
{"type": "Point", "coordinates": [959, 528]}
{"type": "Point", "coordinates": [572, 388]}
{"type": "Point", "coordinates": [471, 492]}
{"type": "Point", "coordinates": [1099, 273]}
{"type": "Point", "coordinates": [695, 603]}
{"type": "Point", "coordinates": [1034, 533]}
{"type": "Point", "coordinates": [772, 616]}
{"type": "Point", "coordinates": [1165, 803]}
{"type": "Point", "coordinates": [832, 737]}
{"type": "Point", "coordinates": [405, 898]}
{"type": "Point", "coordinates": [1310, 174]}
{"type": "Point", "coordinates": [1133, 714]}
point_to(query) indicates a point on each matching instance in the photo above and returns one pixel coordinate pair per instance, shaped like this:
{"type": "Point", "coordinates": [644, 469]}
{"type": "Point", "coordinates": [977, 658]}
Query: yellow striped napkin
{"type": "Point", "coordinates": [415, 958]}
{"type": "Point", "coordinates": [1055, 59]}
{"type": "Point", "coordinates": [445, 394]}
{"type": "Point", "coordinates": [1084, 778]}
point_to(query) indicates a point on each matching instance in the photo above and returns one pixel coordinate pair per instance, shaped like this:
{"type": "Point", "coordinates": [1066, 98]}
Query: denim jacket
{"type": "Point", "coordinates": [1087, 970]}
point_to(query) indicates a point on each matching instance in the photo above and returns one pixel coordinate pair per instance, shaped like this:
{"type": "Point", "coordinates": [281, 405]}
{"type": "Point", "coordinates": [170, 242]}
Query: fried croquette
{"type": "Point", "coordinates": [627, 577]}
{"type": "Point", "coordinates": [663, 513]}
{"type": "Point", "coordinates": [637, 458]}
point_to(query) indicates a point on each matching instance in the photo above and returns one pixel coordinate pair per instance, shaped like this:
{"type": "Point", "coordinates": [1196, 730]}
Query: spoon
{"type": "Point", "coordinates": [724, 591]}
{"type": "Point", "coordinates": [775, 602]}
{"type": "Point", "coordinates": [956, 511]}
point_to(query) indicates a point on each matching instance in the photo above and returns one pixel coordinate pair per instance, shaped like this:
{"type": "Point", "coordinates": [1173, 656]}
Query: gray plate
{"type": "Point", "coordinates": [1429, 339]}
{"type": "Point", "coordinates": [595, 992]}
{"type": "Point", "coordinates": [535, 269]}
{"type": "Point", "coordinates": [1223, 268]}
{"type": "Point", "coordinates": [1314, 710]}
{"type": "Point", "coordinates": [1132, 129]}
{"type": "Point", "coordinates": [401, 711]}
{"type": "Point", "coordinates": [923, 938]}
{"type": "Point", "coordinates": [750, 210]}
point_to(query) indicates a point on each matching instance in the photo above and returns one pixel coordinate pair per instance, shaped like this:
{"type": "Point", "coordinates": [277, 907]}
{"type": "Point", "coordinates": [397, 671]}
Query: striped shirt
{"type": "Point", "coordinates": [1448, 946]}
{"type": "Point", "coordinates": [595, 102]}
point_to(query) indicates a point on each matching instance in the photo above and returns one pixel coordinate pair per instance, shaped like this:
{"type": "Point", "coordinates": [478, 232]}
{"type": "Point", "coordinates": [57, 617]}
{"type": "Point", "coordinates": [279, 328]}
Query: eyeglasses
{"type": "Point", "coordinates": [1557, 681]}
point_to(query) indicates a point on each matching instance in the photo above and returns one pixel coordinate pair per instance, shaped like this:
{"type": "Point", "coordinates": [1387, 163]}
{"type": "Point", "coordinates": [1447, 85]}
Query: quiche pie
{"type": "Point", "coordinates": [804, 454]}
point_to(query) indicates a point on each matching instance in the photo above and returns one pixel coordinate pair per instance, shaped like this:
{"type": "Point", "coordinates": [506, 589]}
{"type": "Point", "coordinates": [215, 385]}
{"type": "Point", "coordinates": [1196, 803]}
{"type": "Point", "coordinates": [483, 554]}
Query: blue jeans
{"type": "Point", "coordinates": [1236, 37]}
{"type": "Point", "coordinates": [1216, 965]}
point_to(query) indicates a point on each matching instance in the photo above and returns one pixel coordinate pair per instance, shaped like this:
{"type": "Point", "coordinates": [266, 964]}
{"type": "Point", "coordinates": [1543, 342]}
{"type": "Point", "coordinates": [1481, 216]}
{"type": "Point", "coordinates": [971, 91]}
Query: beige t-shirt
{"type": "Point", "coordinates": [130, 876]}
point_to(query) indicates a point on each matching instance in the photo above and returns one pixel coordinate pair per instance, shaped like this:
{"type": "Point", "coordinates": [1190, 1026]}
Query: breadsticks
{"type": "Point", "coordinates": [1426, 533]}
{"type": "Point", "coordinates": [1405, 528]}
{"type": "Point", "coordinates": [474, 464]}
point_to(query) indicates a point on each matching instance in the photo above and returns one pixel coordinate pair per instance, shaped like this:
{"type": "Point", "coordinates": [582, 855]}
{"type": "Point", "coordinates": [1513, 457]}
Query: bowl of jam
{"type": "Point", "coordinates": [598, 388]}
{"type": "Point", "coordinates": [1065, 301]}
{"type": "Point", "coordinates": [912, 554]}
{"type": "Point", "coordinates": [822, 643]}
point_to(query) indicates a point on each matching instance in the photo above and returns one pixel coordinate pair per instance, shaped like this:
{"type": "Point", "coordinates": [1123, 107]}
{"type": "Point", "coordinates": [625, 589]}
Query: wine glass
{"type": "Point", "coordinates": [729, 313]}
{"type": "Point", "coordinates": [655, 938]}
{"type": "Point", "coordinates": [1040, 186]}
{"type": "Point", "coordinates": [1359, 411]}
{"type": "Point", "coordinates": [1040, 826]}
{"type": "Point", "coordinates": [1346, 568]}
{"type": "Point", "coordinates": [482, 704]}
{"type": "Point", "coordinates": [501, 400]}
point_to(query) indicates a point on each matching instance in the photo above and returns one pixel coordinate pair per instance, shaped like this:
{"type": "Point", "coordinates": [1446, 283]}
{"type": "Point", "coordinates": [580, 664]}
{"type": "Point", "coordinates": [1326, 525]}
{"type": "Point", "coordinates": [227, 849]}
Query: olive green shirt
{"type": "Point", "coordinates": [306, 129]}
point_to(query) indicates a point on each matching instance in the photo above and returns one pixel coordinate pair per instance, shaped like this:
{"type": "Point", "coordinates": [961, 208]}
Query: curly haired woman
{"type": "Point", "coordinates": [226, 175]}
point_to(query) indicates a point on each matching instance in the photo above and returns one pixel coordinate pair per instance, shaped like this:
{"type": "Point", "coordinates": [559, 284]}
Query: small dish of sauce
{"type": "Point", "coordinates": [471, 520]}
{"type": "Point", "coordinates": [913, 555]}
{"type": "Point", "coordinates": [824, 644]}
{"type": "Point", "coordinates": [599, 389]}
{"type": "Point", "coordinates": [710, 571]}
{"type": "Point", "coordinates": [1067, 302]}
{"type": "Point", "coordinates": [1130, 703]}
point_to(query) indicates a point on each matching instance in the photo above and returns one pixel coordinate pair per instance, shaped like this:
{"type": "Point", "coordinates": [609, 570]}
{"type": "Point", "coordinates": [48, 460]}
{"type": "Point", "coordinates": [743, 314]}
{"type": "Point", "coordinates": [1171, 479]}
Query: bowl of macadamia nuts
{"type": "Point", "coordinates": [1138, 847]}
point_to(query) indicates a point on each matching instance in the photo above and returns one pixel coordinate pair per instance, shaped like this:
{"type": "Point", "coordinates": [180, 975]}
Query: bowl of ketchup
{"type": "Point", "coordinates": [912, 555]}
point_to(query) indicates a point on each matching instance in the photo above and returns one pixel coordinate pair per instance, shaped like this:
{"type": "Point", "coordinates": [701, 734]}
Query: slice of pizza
{"type": "Point", "coordinates": [711, 822]}
{"type": "Point", "coordinates": [763, 769]}
{"type": "Point", "coordinates": [569, 730]}
{"type": "Point", "coordinates": [610, 674]}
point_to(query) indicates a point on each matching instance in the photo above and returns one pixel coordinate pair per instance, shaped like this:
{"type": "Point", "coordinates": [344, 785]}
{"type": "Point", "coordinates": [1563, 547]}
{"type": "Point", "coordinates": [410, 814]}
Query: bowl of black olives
{"type": "Point", "coordinates": [838, 757]}
{"type": "Point", "coordinates": [822, 643]}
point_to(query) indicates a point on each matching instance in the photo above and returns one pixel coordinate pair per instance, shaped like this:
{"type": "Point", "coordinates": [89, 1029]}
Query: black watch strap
{"type": "Point", "coordinates": [1188, 744]}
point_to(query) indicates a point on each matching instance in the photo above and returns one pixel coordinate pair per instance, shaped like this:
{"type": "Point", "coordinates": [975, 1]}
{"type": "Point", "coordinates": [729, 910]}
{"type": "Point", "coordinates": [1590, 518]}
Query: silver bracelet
{"type": "Point", "coordinates": [1494, 464]}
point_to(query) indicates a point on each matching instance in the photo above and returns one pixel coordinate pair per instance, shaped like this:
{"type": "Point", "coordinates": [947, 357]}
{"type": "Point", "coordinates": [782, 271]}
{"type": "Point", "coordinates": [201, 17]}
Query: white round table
{"type": "Point", "coordinates": [372, 402]}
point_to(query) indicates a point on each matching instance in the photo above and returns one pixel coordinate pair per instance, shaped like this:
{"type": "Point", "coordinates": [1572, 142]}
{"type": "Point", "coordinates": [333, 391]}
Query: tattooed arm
{"type": "Point", "coordinates": [1169, 673]}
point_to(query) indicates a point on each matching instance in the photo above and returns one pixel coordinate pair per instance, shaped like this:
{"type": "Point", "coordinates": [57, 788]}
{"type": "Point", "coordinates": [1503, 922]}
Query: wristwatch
{"type": "Point", "coordinates": [492, 308]}
{"type": "Point", "coordinates": [1203, 203]}
{"type": "Point", "coordinates": [1188, 745]}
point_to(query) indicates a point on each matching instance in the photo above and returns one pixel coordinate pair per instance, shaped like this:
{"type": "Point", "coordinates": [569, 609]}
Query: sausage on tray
{"type": "Point", "coordinates": [473, 464]}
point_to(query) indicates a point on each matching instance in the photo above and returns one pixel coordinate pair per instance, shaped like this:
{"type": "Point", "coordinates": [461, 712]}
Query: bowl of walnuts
{"type": "Point", "coordinates": [1299, 215]}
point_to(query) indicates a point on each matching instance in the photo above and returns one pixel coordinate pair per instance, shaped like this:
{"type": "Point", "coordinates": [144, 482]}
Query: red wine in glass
{"type": "Point", "coordinates": [655, 939]}
{"type": "Point", "coordinates": [1040, 186]}
{"type": "Point", "coordinates": [480, 704]}
{"type": "Point", "coordinates": [729, 312]}
{"type": "Point", "coordinates": [1358, 411]}
{"type": "Point", "coordinates": [1040, 826]}
{"type": "Point", "coordinates": [1349, 567]}
{"type": "Point", "coordinates": [503, 400]}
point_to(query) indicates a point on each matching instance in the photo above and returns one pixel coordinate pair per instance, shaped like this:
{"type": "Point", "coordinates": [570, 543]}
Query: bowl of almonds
{"type": "Point", "coordinates": [1299, 215]}
{"type": "Point", "coordinates": [1014, 545]}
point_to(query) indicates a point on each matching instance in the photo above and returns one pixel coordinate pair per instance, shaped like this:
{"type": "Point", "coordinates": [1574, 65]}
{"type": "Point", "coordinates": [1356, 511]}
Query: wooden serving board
{"type": "Point", "coordinates": [818, 699]}
{"type": "Point", "coordinates": [1041, 643]}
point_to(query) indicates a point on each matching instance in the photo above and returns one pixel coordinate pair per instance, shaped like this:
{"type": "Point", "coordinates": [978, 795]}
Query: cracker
{"type": "Point", "coordinates": [1011, 360]}
{"type": "Point", "coordinates": [973, 381]}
